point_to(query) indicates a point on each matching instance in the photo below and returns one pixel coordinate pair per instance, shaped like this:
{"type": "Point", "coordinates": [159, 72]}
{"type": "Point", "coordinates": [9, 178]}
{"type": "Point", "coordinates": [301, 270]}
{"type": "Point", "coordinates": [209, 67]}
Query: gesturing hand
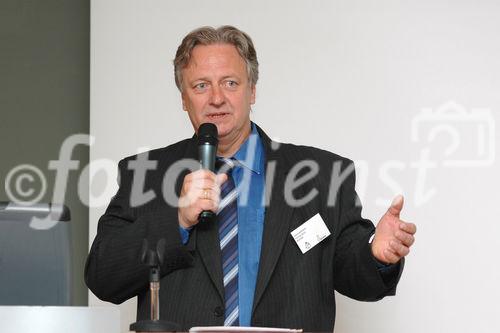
{"type": "Point", "coordinates": [393, 237]}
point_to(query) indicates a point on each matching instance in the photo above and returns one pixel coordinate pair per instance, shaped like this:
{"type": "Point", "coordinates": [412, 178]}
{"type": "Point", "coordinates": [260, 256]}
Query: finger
{"type": "Point", "coordinates": [203, 183]}
{"type": "Point", "coordinates": [198, 188]}
{"type": "Point", "coordinates": [410, 228]}
{"type": "Point", "coordinates": [213, 195]}
{"type": "Point", "coordinates": [205, 205]}
{"type": "Point", "coordinates": [184, 201]}
{"type": "Point", "coordinates": [192, 196]}
{"type": "Point", "coordinates": [212, 187]}
{"type": "Point", "coordinates": [396, 206]}
{"type": "Point", "coordinates": [200, 174]}
{"type": "Point", "coordinates": [221, 178]}
{"type": "Point", "coordinates": [405, 238]}
{"type": "Point", "coordinates": [206, 194]}
{"type": "Point", "coordinates": [399, 248]}
{"type": "Point", "coordinates": [192, 208]}
{"type": "Point", "coordinates": [215, 191]}
{"type": "Point", "coordinates": [190, 176]}
{"type": "Point", "coordinates": [196, 177]}
{"type": "Point", "coordinates": [391, 257]}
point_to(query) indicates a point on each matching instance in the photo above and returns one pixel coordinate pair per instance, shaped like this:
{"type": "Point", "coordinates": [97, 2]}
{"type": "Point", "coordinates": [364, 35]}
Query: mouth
{"type": "Point", "coordinates": [217, 115]}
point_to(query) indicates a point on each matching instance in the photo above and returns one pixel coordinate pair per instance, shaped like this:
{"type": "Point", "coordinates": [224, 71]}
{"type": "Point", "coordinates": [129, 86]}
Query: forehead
{"type": "Point", "coordinates": [215, 60]}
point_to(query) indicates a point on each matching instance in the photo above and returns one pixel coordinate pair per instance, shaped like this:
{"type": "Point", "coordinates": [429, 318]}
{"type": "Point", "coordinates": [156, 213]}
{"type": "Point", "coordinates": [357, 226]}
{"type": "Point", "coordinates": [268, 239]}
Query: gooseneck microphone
{"type": "Point", "coordinates": [208, 139]}
{"type": "Point", "coordinates": [154, 259]}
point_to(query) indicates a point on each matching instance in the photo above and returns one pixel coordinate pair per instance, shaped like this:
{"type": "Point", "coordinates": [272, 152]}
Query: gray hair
{"type": "Point", "coordinates": [225, 34]}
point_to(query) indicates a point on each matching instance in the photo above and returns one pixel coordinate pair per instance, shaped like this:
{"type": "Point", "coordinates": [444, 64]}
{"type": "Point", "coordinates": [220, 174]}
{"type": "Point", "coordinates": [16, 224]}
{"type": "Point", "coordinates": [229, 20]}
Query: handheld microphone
{"type": "Point", "coordinates": [208, 140]}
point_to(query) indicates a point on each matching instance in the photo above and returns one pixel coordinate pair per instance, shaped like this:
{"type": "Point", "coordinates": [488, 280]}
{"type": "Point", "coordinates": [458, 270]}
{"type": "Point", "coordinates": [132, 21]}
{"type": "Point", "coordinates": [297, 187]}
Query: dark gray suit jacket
{"type": "Point", "coordinates": [293, 290]}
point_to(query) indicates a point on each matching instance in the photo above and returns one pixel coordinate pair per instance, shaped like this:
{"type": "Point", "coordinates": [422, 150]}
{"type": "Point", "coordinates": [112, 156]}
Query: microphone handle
{"type": "Point", "coordinates": [207, 156]}
{"type": "Point", "coordinates": [206, 152]}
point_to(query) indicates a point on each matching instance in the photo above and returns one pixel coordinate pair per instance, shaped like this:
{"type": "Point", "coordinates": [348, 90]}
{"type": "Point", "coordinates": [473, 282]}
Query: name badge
{"type": "Point", "coordinates": [310, 233]}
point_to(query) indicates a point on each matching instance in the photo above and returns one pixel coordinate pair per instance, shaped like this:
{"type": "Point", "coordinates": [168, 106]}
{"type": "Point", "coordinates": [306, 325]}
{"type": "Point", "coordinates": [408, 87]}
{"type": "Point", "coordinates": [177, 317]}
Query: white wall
{"type": "Point", "coordinates": [350, 77]}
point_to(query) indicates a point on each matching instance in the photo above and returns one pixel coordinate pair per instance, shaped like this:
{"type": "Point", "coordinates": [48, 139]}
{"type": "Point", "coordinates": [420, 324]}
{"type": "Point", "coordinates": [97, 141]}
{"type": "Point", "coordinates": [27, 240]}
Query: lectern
{"type": "Point", "coordinates": [35, 263]}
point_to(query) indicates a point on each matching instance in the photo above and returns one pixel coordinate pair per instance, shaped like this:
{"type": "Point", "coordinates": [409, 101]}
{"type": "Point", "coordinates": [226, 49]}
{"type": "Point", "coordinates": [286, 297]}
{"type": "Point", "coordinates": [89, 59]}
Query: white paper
{"type": "Point", "coordinates": [238, 329]}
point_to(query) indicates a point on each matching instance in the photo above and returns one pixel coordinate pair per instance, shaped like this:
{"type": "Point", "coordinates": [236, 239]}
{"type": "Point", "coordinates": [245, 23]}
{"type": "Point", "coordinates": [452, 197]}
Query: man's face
{"type": "Point", "coordinates": [215, 89]}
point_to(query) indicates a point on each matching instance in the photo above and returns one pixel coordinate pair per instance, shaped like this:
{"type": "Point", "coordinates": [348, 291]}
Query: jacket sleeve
{"type": "Point", "coordinates": [356, 272]}
{"type": "Point", "coordinates": [113, 271]}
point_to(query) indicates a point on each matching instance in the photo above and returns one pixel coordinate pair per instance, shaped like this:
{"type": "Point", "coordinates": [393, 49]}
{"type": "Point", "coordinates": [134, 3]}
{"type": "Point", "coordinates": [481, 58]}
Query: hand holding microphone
{"type": "Point", "coordinates": [200, 191]}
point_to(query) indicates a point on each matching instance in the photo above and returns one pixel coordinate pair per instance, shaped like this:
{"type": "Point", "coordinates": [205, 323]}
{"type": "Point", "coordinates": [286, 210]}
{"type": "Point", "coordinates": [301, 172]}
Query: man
{"type": "Point", "coordinates": [270, 277]}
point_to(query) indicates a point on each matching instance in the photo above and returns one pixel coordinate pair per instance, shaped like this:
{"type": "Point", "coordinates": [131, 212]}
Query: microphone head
{"type": "Point", "coordinates": [207, 134]}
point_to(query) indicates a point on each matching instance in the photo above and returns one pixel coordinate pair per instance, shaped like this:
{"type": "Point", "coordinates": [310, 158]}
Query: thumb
{"type": "Point", "coordinates": [396, 205]}
{"type": "Point", "coordinates": [220, 178]}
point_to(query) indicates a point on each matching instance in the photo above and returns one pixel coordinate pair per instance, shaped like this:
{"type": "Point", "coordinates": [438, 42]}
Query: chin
{"type": "Point", "coordinates": [223, 128]}
{"type": "Point", "coordinates": [222, 131]}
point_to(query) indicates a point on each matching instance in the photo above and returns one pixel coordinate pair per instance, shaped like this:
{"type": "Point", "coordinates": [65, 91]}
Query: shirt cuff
{"type": "Point", "coordinates": [185, 232]}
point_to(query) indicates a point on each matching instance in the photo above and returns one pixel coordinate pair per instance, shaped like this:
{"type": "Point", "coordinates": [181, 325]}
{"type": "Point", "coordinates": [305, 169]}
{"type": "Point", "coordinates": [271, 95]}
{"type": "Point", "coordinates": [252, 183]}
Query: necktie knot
{"type": "Point", "coordinates": [225, 165]}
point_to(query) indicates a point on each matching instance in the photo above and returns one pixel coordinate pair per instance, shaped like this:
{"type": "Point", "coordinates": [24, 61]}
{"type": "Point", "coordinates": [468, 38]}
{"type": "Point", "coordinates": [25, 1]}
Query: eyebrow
{"type": "Point", "coordinates": [235, 77]}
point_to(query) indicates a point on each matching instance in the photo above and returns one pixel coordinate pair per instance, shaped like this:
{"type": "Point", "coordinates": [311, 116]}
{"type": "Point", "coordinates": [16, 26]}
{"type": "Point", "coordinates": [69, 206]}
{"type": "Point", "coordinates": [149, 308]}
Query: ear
{"type": "Point", "coordinates": [252, 95]}
{"type": "Point", "coordinates": [184, 101]}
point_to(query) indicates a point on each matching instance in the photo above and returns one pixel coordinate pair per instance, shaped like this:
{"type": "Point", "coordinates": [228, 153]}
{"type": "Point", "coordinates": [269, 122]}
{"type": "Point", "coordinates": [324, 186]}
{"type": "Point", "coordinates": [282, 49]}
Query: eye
{"type": "Point", "coordinates": [201, 86]}
{"type": "Point", "coordinates": [231, 84]}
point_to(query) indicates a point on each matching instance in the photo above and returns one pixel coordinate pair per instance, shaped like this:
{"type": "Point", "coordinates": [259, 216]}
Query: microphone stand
{"type": "Point", "coordinates": [154, 259]}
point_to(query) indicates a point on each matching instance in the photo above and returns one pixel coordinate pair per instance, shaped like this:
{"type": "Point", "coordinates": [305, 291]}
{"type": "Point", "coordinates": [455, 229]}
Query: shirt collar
{"type": "Point", "coordinates": [253, 161]}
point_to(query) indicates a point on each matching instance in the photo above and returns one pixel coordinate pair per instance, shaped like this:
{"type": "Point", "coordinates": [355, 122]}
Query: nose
{"type": "Point", "coordinates": [217, 96]}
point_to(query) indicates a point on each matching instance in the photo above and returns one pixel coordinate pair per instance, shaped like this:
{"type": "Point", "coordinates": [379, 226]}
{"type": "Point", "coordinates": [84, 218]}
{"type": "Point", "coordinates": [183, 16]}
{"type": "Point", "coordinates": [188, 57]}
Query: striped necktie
{"type": "Point", "coordinates": [228, 236]}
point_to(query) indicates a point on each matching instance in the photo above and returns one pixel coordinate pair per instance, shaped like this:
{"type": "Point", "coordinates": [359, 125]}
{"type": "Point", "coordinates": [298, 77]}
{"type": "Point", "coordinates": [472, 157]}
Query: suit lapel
{"type": "Point", "coordinates": [207, 236]}
{"type": "Point", "coordinates": [277, 218]}
{"type": "Point", "coordinates": [207, 242]}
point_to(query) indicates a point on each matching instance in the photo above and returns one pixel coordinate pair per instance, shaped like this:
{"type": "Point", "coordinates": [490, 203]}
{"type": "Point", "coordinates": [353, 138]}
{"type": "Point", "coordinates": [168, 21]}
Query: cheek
{"type": "Point", "coordinates": [242, 100]}
{"type": "Point", "coordinates": [197, 104]}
